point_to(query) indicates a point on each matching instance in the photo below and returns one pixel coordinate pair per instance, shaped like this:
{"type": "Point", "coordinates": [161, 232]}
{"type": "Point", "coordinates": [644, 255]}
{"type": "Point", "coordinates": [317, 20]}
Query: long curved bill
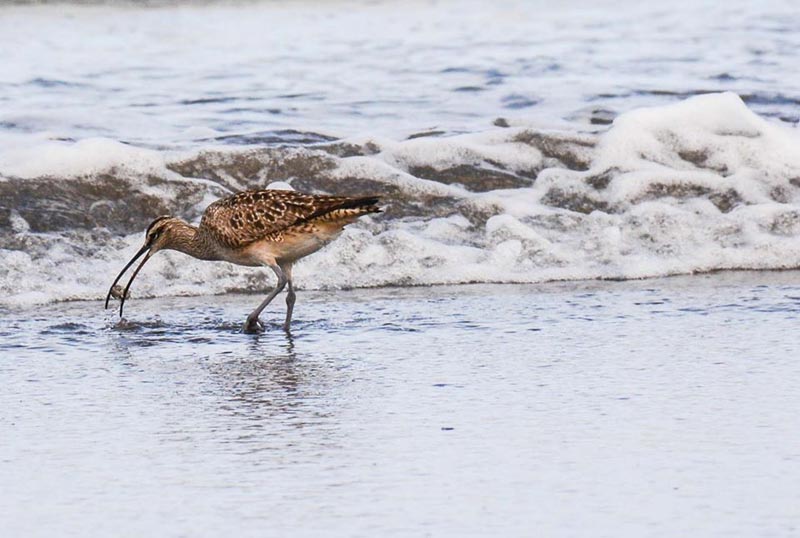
{"type": "Point", "coordinates": [144, 249]}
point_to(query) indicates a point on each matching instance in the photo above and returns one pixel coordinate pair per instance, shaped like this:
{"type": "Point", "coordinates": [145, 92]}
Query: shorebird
{"type": "Point", "coordinates": [272, 228]}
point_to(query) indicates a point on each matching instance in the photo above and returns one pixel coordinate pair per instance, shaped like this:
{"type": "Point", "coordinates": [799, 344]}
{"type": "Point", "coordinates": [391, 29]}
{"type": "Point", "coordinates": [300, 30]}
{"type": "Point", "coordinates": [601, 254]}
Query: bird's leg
{"type": "Point", "coordinates": [252, 325]}
{"type": "Point", "coordinates": [290, 297]}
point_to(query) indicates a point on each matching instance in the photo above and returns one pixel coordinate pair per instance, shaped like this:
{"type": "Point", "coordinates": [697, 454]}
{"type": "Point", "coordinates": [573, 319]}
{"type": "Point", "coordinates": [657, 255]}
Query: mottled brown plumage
{"type": "Point", "coordinates": [246, 217]}
{"type": "Point", "coordinates": [272, 228]}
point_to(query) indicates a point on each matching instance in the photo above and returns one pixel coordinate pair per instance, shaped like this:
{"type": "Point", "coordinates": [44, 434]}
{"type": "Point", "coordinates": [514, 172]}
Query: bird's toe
{"type": "Point", "coordinates": [253, 326]}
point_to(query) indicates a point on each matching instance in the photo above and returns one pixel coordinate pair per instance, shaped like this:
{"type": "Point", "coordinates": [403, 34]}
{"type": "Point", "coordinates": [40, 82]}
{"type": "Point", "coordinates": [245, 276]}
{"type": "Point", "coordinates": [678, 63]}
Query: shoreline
{"type": "Point", "coordinates": [718, 276]}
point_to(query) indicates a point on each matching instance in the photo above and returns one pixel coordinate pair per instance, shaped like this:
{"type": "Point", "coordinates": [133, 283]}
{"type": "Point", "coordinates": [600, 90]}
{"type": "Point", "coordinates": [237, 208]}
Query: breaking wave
{"type": "Point", "coordinates": [701, 185]}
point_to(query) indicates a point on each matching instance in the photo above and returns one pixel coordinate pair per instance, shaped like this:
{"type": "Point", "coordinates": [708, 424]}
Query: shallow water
{"type": "Point", "coordinates": [659, 408]}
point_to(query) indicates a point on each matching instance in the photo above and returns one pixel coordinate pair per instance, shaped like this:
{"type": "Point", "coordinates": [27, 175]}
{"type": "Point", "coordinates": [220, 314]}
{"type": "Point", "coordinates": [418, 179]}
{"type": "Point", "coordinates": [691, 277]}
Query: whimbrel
{"type": "Point", "coordinates": [272, 228]}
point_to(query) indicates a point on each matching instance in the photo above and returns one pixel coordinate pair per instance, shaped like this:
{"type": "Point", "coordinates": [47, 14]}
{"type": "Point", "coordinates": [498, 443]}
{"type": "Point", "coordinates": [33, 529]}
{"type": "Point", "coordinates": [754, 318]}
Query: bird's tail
{"type": "Point", "coordinates": [347, 209]}
{"type": "Point", "coordinates": [367, 204]}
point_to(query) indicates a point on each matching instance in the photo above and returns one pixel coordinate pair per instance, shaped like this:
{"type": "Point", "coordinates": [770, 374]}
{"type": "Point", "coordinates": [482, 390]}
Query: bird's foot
{"type": "Point", "coordinates": [253, 326]}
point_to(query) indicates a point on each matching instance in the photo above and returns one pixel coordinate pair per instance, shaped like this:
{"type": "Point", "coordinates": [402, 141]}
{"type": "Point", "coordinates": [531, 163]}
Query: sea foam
{"type": "Point", "coordinates": [696, 186]}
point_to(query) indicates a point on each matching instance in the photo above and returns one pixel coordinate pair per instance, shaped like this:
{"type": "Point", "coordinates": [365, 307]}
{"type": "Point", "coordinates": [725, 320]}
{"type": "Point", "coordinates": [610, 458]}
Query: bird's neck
{"type": "Point", "coordinates": [188, 239]}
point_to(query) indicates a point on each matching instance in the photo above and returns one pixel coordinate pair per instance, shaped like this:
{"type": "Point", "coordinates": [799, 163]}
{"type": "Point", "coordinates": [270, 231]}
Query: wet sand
{"type": "Point", "coordinates": [660, 408]}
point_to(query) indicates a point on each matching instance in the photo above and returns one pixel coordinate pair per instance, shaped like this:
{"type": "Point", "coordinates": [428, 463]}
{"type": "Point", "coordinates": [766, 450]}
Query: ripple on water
{"type": "Point", "coordinates": [465, 405]}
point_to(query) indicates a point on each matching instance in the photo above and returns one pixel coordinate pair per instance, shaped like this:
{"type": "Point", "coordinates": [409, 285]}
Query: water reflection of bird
{"type": "Point", "coordinates": [272, 228]}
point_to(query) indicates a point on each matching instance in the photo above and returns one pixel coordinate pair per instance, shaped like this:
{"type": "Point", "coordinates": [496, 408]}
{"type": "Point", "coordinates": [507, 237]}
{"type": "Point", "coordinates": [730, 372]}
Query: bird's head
{"type": "Point", "coordinates": [163, 233]}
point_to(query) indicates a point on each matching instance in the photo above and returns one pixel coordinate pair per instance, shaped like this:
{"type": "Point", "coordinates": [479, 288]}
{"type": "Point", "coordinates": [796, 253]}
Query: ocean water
{"type": "Point", "coordinates": [506, 350]}
{"type": "Point", "coordinates": [660, 408]}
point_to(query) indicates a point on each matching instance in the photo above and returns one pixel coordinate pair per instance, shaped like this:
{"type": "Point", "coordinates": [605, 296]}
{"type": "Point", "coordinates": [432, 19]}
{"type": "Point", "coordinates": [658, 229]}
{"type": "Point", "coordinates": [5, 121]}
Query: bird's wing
{"type": "Point", "coordinates": [246, 217]}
